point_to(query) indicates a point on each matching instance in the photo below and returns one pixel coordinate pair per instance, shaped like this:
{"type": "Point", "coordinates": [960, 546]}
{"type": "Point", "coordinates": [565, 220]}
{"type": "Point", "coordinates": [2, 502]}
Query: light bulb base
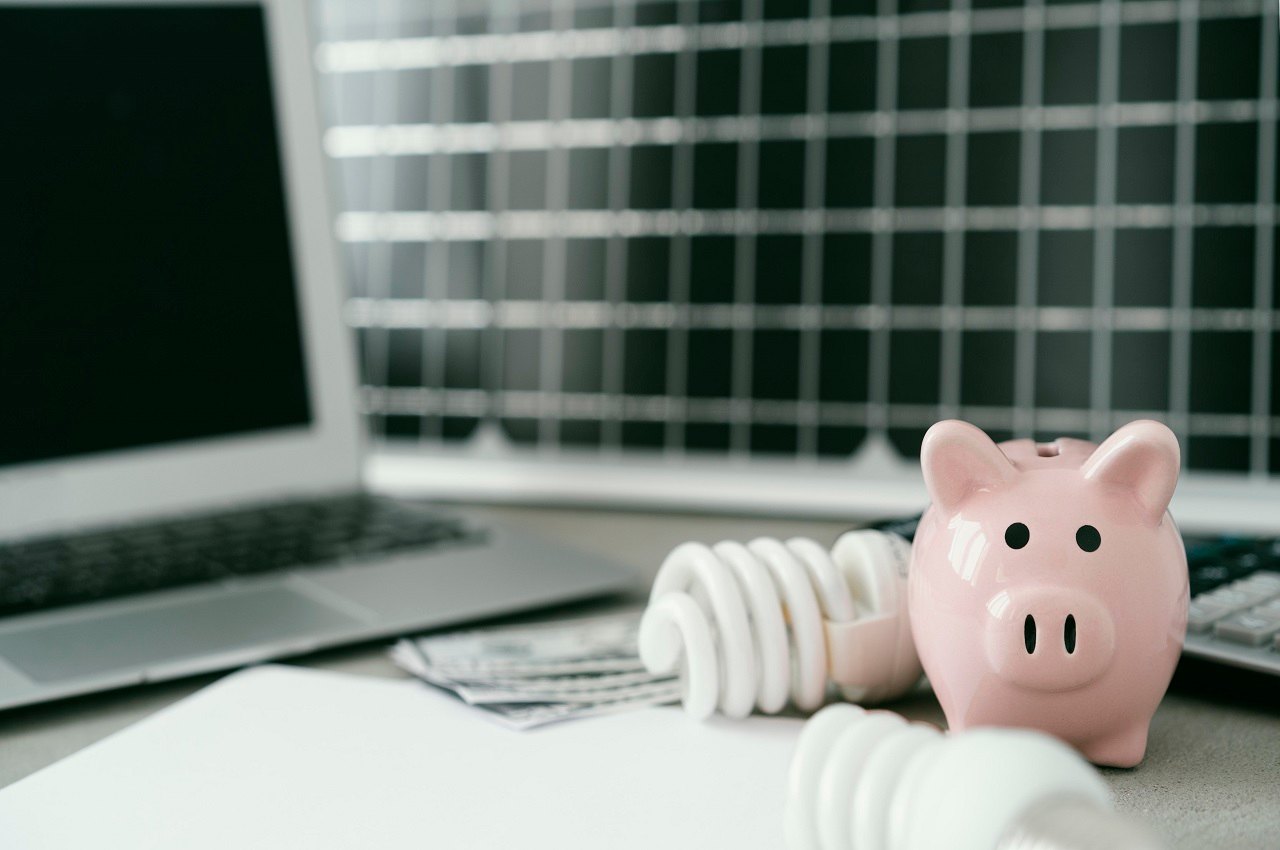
{"type": "Point", "coordinates": [1065, 822]}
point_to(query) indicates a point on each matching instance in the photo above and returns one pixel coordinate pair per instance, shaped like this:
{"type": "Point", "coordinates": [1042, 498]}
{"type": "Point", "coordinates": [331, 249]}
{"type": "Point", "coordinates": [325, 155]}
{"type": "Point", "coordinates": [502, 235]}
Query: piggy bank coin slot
{"type": "Point", "coordinates": [1047, 449]}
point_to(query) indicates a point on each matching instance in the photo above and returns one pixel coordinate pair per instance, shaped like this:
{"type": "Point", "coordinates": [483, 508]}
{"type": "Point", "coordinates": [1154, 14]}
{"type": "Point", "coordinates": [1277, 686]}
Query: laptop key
{"type": "Point", "coordinates": [1202, 615]}
{"type": "Point", "coordinates": [1270, 608]}
{"type": "Point", "coordinates": [1267, 584]}
{"type": "Point", "coordinates": [88, 582]}
{"type": "Point", "coordinates": [1248, 628]}
{"type": "Point", "coordinates": [1229, 598]}
{"type": "Point", "coordinates": [33, 589]}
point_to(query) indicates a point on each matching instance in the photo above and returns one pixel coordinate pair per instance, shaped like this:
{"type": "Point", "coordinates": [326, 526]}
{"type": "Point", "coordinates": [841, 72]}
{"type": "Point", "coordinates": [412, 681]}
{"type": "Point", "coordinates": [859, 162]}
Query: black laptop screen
{"type": "Point", "coordinates": [147, 290]}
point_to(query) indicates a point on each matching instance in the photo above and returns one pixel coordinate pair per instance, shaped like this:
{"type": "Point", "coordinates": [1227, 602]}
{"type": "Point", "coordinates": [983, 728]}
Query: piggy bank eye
{"type": "Point", "coordinates": [1017, 535]}
{"type": "Point", "coordinates": [1088, 538]}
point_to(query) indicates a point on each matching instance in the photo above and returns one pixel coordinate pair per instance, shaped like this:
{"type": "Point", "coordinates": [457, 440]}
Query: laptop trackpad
{"type": "Point", "coordinates": [143, 637]}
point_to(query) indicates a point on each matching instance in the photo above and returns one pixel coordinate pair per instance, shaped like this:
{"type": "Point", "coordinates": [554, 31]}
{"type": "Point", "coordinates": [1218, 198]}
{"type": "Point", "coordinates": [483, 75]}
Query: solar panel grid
{"type": "Point", "coordinates": [770, 227]}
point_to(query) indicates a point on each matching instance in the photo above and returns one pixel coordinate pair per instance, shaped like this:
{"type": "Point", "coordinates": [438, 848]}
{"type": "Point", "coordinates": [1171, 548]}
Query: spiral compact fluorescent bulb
{"type": "Point", "coordinates": [872, 781]}
{"type": "Point", "coordinates": [749, 626]}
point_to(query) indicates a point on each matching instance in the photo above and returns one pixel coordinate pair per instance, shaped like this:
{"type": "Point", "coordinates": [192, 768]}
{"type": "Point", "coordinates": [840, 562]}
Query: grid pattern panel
{"type": "Point", "coordinates": [783, 226]}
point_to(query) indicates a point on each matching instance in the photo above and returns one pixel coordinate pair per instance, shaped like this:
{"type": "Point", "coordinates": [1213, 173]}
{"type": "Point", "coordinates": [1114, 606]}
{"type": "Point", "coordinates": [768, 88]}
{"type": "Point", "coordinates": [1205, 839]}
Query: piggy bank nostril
{"type": "Point", "coordinates": [1069, 633]}
{"type": "Point", "coordinates": [1029, 633]}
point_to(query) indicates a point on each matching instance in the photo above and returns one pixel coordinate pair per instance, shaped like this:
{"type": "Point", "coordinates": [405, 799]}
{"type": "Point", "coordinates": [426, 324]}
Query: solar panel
{"type": "Point", "coordinates": [798, 227]}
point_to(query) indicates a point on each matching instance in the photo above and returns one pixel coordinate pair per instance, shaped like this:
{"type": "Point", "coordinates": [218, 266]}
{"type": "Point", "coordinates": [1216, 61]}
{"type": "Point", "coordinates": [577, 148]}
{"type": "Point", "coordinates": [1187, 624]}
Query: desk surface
{"type": "Point", "coordinates": [1211, 777]}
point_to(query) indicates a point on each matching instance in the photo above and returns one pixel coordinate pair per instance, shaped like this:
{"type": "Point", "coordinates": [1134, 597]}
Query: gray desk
{"type": "Point", "coordinates": [1211, 777]}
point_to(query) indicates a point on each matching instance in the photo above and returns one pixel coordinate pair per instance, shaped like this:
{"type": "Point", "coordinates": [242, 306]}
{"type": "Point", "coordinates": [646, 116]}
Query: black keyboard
{"type": "Point", "coordinates": [49, 572]}
{"type": "Point", "coordinates": [1234, 616]}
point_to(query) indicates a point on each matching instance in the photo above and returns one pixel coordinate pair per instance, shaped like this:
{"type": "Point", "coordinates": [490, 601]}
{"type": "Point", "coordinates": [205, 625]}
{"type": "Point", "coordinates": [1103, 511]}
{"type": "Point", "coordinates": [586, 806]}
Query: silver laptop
{"type": "Point", "coordinates": [179, 447]}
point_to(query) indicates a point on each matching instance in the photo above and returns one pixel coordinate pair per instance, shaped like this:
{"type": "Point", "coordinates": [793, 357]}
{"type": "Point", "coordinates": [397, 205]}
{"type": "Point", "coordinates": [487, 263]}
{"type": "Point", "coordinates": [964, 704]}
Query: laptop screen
{"type": "Point", "coordinates": [147, 289]}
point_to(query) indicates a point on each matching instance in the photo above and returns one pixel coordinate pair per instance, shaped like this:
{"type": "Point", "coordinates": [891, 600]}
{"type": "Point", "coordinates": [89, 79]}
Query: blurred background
{"type": "Point", "coordinates": [807, 228]}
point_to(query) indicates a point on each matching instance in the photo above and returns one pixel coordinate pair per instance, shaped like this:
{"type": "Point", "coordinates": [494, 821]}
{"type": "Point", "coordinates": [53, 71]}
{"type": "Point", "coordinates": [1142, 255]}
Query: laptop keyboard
{"type": "Point", "coordinates": [1234, 616]}
{"type": "Point", "coordinates": [44, 573]}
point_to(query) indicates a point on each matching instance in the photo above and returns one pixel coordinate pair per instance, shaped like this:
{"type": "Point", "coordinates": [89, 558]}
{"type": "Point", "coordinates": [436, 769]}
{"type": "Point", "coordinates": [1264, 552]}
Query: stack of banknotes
{"type": "Point", "coordinates": [530, 675]}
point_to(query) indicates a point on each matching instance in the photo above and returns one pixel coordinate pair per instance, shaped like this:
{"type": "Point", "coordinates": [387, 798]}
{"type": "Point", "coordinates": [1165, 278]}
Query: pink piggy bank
{"type": "Point", "coordinates": [1048, 584]}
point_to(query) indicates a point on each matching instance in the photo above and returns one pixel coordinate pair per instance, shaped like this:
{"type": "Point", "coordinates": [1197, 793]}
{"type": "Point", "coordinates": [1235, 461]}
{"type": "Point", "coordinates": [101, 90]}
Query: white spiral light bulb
{"type": "Point", "coordinates": [749, 626]}
{"type": "Point", "coordinates": [872, 781]}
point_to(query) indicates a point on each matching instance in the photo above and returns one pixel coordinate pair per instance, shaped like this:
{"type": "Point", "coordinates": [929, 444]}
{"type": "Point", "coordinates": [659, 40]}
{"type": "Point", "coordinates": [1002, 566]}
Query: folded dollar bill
{"type": "Point", "coordinates": [530, 675]}
{"type": "Point", "coordinates": [484, 694]}
{"type": "Point", "coordinates": [520, 717]}
{"type": "Point", "coordinates": [610, 636]}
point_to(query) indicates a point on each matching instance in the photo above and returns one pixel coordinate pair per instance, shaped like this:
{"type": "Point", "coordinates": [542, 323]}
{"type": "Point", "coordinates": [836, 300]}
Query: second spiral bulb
{"type": "Point", "coordinates": [870, 780]}
{"type": "Point", "coordinates": [751, 626]}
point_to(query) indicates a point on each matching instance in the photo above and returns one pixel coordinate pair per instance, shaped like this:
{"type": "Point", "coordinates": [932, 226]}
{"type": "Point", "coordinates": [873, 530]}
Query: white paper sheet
{"type": "Point", "coordinates": [282, 757]}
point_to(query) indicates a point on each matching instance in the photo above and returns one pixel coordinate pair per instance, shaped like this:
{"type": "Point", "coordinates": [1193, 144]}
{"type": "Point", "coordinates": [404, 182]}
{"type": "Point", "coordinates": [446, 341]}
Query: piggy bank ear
{"type": "Point", "coordinates": [1142, 457]}
{"type": "Point", "coordinates": [958, 460]}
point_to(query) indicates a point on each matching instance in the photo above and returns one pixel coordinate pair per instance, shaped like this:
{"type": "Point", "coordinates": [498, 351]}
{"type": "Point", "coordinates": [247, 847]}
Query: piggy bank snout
{"type": "Point", "coordinates": [1048, 638]}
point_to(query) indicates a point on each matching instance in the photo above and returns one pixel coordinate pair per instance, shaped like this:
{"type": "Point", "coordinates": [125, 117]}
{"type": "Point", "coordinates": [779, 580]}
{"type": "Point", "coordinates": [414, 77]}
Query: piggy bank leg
{"type": "Point", "coordinates": [1123, 748]}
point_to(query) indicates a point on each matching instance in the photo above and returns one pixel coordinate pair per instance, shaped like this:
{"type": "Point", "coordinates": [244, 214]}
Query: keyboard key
{"type": "Point", "coordinates": [1229, 599]}
{"type": "Point", "coordinates": [1216, 573]}
{"type": "Point", "coordinates": [33, 590]}
{"type": "Point", "coordinates": [1268, 609]}
{"type": "Point", "coordinates": [1254, 593]}
{"type": "Point", "coordinates": [1201, 615]}
{"type": "Point", "coordinates": [1248, 628]}
{"type": "Point", "coordinates": [1264, 582]}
